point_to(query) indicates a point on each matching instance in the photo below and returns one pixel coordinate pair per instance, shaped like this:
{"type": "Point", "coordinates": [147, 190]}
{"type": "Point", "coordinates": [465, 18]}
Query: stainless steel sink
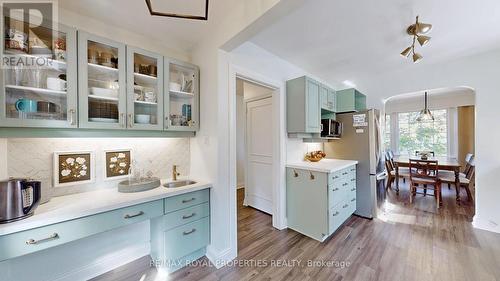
{"type": "Point", "coordinates": [180, 183]}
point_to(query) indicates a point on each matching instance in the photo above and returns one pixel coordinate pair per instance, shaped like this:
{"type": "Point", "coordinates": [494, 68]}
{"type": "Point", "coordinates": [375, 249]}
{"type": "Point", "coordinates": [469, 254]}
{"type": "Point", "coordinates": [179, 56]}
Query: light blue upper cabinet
{"type": "Point", "coordinates": [327, 99]}
{"type": "Point", "coordinates": [303, 105]}
{"type": "Point", "coordinates": [102, 83]}
{"type": "Point", "coordinates": [39, 84]}
{"type": "Point", "coordinates": [350, 100]}
{"type": "Point", "coordinates": [332, 100]}
{"type": "Point", "coordinates": [182, 102]}
{"type": "Point", "coordinates": [144, 90]}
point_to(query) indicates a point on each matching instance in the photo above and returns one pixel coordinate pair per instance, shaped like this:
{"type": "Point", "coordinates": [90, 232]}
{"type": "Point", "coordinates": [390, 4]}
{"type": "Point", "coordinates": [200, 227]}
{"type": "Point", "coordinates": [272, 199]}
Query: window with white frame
{"type": "Point", "coordinates": [424, 135]}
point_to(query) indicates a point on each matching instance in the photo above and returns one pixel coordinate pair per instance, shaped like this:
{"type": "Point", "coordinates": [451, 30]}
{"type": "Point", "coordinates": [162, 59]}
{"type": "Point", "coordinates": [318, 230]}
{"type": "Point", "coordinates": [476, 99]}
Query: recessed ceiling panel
{"type": "Point", "coordinates": [193, 8]}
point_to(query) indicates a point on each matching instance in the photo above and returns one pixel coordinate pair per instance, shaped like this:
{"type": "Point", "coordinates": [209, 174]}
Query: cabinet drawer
{"type": "Point", "coordinates": [336, 194]}
{"type": "Point", "coordinates": [335, 218]}
{"type": "Point", "coordinates": [187, 215]}
{"type": "Point", "coordinates": [186, 239]}
{"type": "Point", "coordinates": [33, 240]}
{"type": "Point", "coordinates": [334, 177]}
{"type": "Point", "coordinates": [186, 200]}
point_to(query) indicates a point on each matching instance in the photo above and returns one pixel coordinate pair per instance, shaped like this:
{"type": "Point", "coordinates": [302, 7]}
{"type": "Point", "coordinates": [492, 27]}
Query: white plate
{"type": "Point", "coordinates": [103, 92]}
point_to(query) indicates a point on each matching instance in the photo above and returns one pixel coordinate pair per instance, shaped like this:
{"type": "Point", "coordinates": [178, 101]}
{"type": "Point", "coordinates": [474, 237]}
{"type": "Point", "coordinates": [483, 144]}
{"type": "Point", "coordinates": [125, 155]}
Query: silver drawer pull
{"type": "Point", "coordinates": [336, 213]}
{"type": "Point", "coordinates": [311, 176]}
{"type": "Point", "coordinates": [353, 199]}
{"type": "Point", "coordinates": [345, 206]}
{"type": "Point", "coordinates": [344, 184]}
{"type": "Point", "coordinates": [336, 189]}
{"type": "Point", "coordinates": [34, 242]}
{"type": "Point", "coordinates": [189, 216]}
{"type": "Point", "coordinates": [345, 173]}
{"type": "Point", "coordinates": [335, 177]}
{"type": "Point", "coordinates": [295, 174]}
{"type": "Point", "coordinates": [353, 179]}
{"type": "Point", "coordinates": [352, 170]}
{"type": "Point", "coordinates": [127, 216]}
{"type": "Point", "coordinates": [188, 200]}
{"type": "Point", "coordinates": [353, 189]}
{"type": "Point", "coordinates": [189, 232]}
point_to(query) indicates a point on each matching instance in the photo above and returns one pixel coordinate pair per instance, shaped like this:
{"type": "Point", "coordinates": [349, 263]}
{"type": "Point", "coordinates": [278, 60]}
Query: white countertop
{"type": "Point", "coordinates": [323, 166]}
{"type": "Point", "coordinates": [69, 207]}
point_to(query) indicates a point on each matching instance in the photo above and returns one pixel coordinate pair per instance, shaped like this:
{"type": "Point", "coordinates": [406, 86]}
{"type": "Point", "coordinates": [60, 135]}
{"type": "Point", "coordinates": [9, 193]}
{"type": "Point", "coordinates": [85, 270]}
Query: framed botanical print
{"type": "Point", "coordinates": [73, 168]}
{"type": "Point", "coordinates": [117, 163]}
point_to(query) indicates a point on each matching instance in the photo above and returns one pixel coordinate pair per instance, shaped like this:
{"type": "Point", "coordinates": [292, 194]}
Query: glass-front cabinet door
{"type": "Point", "coordinates": [102, 86]}
{"type": "Point", "coordinates": [144, 90]}
{"type": "Point", "coordinates": [182, 101]}
{"type": "Point", "coordinates": [38, 77]}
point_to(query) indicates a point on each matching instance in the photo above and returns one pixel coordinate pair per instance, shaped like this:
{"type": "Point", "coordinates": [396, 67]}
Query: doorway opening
{"type": "Point", "coordinates": [255, 153]}
{"type": "Point", "coordinates": [448, 137]}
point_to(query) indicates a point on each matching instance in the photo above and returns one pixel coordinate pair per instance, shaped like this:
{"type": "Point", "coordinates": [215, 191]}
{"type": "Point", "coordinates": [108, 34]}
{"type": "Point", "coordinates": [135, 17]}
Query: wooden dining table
{"type": "Point", "coordinates": [444, 163]}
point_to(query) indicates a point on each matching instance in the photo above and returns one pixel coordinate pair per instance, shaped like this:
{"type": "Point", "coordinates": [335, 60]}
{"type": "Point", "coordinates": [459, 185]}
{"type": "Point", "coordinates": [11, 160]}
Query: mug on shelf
{"type": "Point", "coordinates": [26, 105]}
{"type": "Point", "coordinates": [56, 84]}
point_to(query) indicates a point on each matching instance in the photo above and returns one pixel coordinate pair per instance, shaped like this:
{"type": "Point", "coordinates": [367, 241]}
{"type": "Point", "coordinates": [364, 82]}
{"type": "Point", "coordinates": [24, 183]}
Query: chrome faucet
{"type": "Point", "coordinates": [175, 173]}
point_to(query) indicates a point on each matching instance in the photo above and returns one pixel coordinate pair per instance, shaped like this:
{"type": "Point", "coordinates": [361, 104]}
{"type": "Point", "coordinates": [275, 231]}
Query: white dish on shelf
{"type": "Point", "coordinates": [142, 118]}
{"type": "Point", "coordinates": [174, 86]}
{"type": "Point", "coordinates": [103, 92]}
{"type": "Point", "coordinates": [103, 120]}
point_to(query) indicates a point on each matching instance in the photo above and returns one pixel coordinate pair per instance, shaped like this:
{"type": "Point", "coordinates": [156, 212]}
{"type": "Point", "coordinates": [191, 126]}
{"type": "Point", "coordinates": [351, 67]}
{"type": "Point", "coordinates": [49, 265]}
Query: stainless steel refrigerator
{"type": "Point", "coordinates": [361, 140]}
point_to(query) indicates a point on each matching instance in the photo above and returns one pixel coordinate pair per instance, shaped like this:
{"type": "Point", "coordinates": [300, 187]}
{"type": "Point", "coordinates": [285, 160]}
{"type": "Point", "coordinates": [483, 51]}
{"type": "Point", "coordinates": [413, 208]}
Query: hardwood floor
{"type": "Point", "coordinates": [409, 242]}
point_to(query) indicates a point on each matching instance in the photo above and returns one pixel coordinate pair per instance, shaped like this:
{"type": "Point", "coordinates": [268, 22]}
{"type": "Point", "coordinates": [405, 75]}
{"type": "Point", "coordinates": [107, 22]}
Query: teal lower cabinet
{"type": "Point", "coordinates": [182, 234]}
{"type": "Point", "coordinates": [37, 239]}
{"type": "Point", "coordinates": [180, 229]}
{"type": "Point", "coordinates": [318, 203]}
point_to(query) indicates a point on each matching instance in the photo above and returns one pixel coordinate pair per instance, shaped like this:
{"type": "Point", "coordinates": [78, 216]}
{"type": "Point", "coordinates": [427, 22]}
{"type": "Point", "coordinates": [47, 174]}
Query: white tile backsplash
{"type": "Point", "coordinates": [33, 158]}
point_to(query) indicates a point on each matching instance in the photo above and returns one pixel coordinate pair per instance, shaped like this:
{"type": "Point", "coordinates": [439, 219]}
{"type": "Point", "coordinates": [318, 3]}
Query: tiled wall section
{"type": "Point", "coordinates": [33, 158]}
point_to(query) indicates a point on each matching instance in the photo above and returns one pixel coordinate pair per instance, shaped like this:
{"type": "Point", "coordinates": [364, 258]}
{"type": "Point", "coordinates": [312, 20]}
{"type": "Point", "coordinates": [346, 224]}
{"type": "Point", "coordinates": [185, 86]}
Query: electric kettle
{"type": "Point", "coordinates": [18, 199]}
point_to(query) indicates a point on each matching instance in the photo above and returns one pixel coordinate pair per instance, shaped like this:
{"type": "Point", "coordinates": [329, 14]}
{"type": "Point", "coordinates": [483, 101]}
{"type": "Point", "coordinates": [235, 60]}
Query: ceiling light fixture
{"type": "Point", "coordinates": [416, 30]}
{"type": "Point", "coordinates": [174, 15]}
{"type": "Point", "coordinates": [425, 114]}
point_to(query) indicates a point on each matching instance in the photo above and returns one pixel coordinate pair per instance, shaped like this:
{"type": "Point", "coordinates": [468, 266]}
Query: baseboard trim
{"type": "Point", "coordinates": [107, 263]}
{"type": "Point", "coordinates": [220, 258]}
{"type": "Point", "coordinates": [485, 225]}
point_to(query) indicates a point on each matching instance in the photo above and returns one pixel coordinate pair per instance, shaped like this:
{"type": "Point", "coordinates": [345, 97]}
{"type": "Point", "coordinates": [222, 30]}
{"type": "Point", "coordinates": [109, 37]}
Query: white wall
{"type": "Point", "coordinates": [3, 159]}
{"type": "Point", "coordinates": [450, 99]}
{"type": "Point", "coordinates": [479, 72]}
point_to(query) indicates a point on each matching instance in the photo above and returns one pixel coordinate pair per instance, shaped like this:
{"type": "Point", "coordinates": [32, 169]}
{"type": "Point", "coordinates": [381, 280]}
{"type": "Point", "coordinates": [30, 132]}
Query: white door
{"type": "Point", "coordinates": [259, 155]}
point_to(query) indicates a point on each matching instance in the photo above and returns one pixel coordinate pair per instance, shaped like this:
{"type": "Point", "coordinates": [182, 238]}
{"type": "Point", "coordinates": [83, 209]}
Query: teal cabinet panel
{"type": "Point", "coordinates": [33, 240]}
{"type": "Point", "coordinates": [186, 239]}
{"type": "Point", "coordinates": [327, 100]}
{"type": "Point", "coordinates": [45, 96]}
{"type": "Point", "coordinates": [102, 84]}
{"type": "Point", "coordinates": [350, 100]}
{"type": "Point", "coordinates": [187, 215]}
{"type": "Point", "coordinates": [324, 93]}
{"type": "Point", "coordinates": [307, 202]}
{"type": "Point", "coordinates": [313, 113]}
{"type": "Point", "coordinates": [303, 106]}
{"type": "Point", "coordinates": [319, 203]}
{"type": "Point", "coordinates": [182, 96]}
{"type": "Point", "coordinates": [144, 90]}
{"type": "Point", "coordinates": [186, 200]}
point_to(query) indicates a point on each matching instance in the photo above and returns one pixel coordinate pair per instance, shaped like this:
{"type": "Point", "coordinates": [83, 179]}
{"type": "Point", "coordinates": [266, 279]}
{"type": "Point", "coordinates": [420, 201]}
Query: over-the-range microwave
{"type": "Point", "coordinates": [331, 128]}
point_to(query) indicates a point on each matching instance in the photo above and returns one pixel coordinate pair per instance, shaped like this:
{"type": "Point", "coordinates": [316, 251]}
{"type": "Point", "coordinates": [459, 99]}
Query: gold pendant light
{"type": "Point", "coordinates": [416, 30]}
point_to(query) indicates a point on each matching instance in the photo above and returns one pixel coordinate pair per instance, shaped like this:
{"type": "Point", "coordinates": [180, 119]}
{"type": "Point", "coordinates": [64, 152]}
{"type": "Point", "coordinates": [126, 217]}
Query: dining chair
{"type": "Point", "coordinates": [466, 181]}
{"type": "Point", "coordinates": [390, 166]}
{"type": "Point", "coordinates": [425, 173]}
{"type": "Point", "coordinates": [469, 163]}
